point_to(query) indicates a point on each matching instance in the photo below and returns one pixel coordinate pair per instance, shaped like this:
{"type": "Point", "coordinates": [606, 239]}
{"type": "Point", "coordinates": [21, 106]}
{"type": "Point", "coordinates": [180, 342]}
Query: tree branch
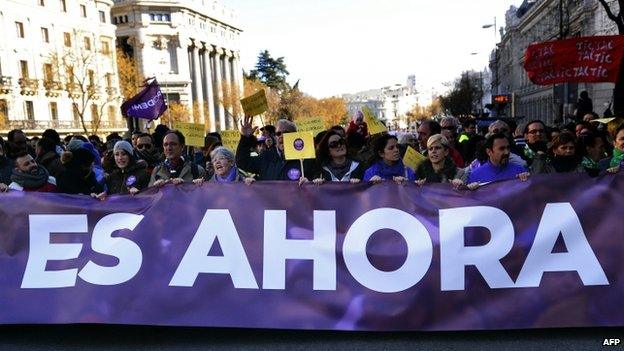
{"type": "Point", "coordinates": [608, 9]}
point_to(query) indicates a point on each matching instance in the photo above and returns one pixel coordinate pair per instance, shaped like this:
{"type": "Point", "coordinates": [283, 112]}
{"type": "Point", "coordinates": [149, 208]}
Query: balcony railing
{"type": "Point", "coordinates": [53, 88]}
{"type": "Point", "coordinates": [28, 86]}
{"type": "Point", "coordinates": [94, 91]}
{"type": "Point", "coordinates": [64, 125]}
{"type": "Point", "coordinates": [6, 85]}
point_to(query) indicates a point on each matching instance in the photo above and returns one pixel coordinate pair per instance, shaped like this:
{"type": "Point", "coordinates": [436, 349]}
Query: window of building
{"type": "Point", "coordinates": [87, 43]}
{"type": "Point", "coordinates": [45, 36]}
{"type": "Point", "coordinates": [30, 110]}
{"type": "Point", "coordinates": [24, 68]}
{"type": "Point", "coordinates": [67, 39]}
{"type": "Point", "coordinates": [167, 18]}
{"type": "Point", "coordinates": [112, 113]}
{"type": "Point", "coordinates": [41, 2]}
{"type": "Point", "coordinates": [4, 109]}
{"type": "Point", "coordinates": [125, 19]}
{"type": "Point", "coordinates": [94, 112]}
{"type": "Point", "coordinates": [54, 111]}
{"type": "Point", "coordinates": [19, 27]}
{"type": "Point", "coordinates": [102, 16]}
{"type": "Point", "coordinates": [91, 75]}
{"type": "Point", "coordinates": [114, 20]}
{"type": "Point", "coordinates": [63, 5]}
{"type": "Point", "coordinates": [75, 112]}
{"type": "Point", "coordinates": [109, 80]}
{"type": "Point", "coordinates": [48, 74]}
{"type": "Point", "coordinates": [105, 47]}
{"type": "Point", "coordinates": [83, 10]}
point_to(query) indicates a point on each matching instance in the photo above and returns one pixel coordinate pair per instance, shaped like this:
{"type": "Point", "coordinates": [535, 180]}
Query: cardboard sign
{"type": "Point", "coordinates": [230, 139]}
{"type": "Point", "coordinates": [314, 125]}
{"type": "Point", "coordinates": [413, 158]}
{"type": "Point", "coordinates": [255, 104]}
{"type": "Point", "coordinates": [374, 125]}
{"type": "Point", "coordinates": [299, 146]}
{"type": "Point", "coordinates": [604, 120]}
{"type": "Point", "coordinates": [193, 133]}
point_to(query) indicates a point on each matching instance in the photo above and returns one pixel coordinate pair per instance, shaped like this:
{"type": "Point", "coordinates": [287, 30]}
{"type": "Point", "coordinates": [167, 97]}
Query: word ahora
{"type": "Point", "coordinates": [557, 219]}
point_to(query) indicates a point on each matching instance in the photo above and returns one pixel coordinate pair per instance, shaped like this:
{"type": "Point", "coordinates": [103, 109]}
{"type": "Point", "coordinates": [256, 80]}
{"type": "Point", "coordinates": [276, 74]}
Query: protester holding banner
{"type": "Point", "coordinates": [439, 167]}
{"type": "Point", "coordinates": [498, 167]}
{"type": "Point", "coordinates": [270, 165]}
{"type": "Point", "coordinates": [131, 176]}
{"type": "Point", "coordinates": [387, 163]}
{"type": "Point", "coordinates": [616, 163]}
{"type": "Point", "coordinates": [225, 170]}
{"type": "Point", "coordinates": [78, 176]}
{"type": "Point", "coordinates": [176, 169]}
{"type": "Point", "coordinates": [561, 158]}
{"type": "Point", "coordinates": [334, 163]}
{"type": "Point", "coordinates": [29, 176]}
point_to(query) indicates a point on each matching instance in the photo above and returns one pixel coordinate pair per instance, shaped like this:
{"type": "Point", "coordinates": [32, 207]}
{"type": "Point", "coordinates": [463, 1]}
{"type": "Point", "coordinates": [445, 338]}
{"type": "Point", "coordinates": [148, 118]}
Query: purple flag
{"type": "Point", "coordinates": [148, 104]}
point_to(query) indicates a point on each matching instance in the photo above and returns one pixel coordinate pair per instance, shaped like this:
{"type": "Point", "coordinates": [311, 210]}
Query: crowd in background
{"type": "Point", "coordinates": [465, 154]}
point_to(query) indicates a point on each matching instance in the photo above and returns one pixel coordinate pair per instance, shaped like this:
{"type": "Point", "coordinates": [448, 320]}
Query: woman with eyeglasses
{"type": "Point", "coordinates": [334, 163]}
{"type": "Point", "coordinates": [387, 163]}
{"type": "Point", "coordinates": [439, 167]}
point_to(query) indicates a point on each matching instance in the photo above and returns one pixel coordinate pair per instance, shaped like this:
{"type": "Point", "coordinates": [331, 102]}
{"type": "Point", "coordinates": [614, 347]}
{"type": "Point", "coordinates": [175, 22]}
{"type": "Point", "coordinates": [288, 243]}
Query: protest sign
{"type": "Point", "coordinates": [230, 139]}
{"type": "Point", "coordinates": [299, 146]}
{"type": "Point", "coordinates": [413, 158]}
{"type": "Point", "coordinates": [314, 125]}
{"type": "Point", "coordinates": [193, 133]}
{"type": "Point", "coordinates": [588, 59]}
{"type": "Point", "coordinates": [374, 125]}
{"type": "Point", "coordinates": [255, 104]}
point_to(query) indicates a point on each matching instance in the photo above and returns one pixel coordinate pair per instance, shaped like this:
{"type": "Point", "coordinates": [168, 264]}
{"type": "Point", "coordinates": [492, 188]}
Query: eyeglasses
{"type": "Point", "coordinates": [336, 144]}
{"type": "Point", "coordinates": [144, 146]}
{"type": "Point", "coordinates": [537, 131]}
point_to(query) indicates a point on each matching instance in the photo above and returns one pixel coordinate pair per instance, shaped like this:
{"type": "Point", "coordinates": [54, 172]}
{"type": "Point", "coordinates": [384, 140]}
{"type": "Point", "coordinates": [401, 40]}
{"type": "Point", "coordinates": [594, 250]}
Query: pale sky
{"type": "Point", "coordinates": [346, 46]}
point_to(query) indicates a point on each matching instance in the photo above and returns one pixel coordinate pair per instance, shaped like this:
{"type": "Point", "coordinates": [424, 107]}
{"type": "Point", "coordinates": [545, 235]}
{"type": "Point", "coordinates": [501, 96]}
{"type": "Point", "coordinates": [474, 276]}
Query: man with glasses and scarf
{"type": "Point", "coordinates": [146, 151]}
{"type": "Point", "coordinates": [536, 140]}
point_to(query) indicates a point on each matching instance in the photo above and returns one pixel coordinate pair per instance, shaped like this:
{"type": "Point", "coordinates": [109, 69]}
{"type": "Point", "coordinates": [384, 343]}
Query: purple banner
{"type": "Point", "coordinates": [148, 104]}
{"type": "Point", "coordinates": [540, 254]}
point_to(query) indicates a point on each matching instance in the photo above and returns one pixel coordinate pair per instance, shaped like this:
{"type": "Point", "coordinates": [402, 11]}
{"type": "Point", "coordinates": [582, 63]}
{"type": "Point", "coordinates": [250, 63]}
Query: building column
{"type": "Point", "coordinates": [197, 84]}
{"type": "Point", "coordinates": [219, 88]}
{"type": "Point", "coordinates": [230, 89]}
{"type": "Point", "coordinates": [208, 91]}
{"type": "Point", "coordinates": [238, 73]}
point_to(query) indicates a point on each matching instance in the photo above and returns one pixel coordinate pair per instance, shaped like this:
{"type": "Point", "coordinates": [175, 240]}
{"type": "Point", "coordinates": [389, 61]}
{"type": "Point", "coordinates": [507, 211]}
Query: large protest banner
{"type": "Point", "coordinates": [589, 59]}
{"type": "Point", "coordinates": [545, 253]}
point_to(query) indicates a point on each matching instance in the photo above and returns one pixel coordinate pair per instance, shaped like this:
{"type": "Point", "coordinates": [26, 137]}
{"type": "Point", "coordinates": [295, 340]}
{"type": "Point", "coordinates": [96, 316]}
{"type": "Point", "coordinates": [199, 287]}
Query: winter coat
{"type": "Point", "coordinates": [133, 176]}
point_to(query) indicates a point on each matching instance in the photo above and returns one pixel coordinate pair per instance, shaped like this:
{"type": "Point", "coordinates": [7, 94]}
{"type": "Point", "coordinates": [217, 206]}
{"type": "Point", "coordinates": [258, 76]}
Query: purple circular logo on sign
{"type": "Point", "coordinates": [131, 180]}
{"type": "Point", "coordinates": [298, 144]}
{"type": "Point", "coordinates": [294, 174]}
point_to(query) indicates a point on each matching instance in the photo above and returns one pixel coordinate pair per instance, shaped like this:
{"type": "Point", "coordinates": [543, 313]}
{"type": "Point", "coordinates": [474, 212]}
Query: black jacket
{"type": "Point", "coordinates": [6, 168]}
{"type": "Point", "coordinates": [133, 176]}
{"type": "Point", "coordinates": [75, 181]}
{"type": "Point", "coordinates": [356, 171]}
{"type": "Point", "coordinates": [270, 165]}
{"type": "Point", "coordinates": [52, 162]}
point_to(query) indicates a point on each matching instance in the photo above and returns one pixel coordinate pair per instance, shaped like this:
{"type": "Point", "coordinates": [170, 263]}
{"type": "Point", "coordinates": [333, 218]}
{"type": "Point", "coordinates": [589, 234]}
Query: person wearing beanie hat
{"type": "Point", "coordinates": [78, 176]}
{"type": "Point", "coordinates": [130, 176]}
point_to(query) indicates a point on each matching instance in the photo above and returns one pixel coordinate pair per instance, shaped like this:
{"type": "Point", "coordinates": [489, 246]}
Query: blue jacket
{"type": "Point", "coordinates": [490, 173]}
{"type": "Point", "coordinates": [386, 172]}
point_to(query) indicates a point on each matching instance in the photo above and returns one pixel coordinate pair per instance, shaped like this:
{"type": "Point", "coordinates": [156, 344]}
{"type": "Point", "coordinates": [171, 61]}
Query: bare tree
{"type": "Point", "coordinates": [77, 67]}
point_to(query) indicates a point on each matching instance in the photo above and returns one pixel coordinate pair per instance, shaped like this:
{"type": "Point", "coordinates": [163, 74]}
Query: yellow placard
{"type": "Point", "coordinates": [255, 104]}
{"type": "Point", "coordinates": [193, 133]}
{"type": "Point", "coordinates": [374, 125]}
{"type": "Point", "coordinates": [230, 139]}
{"type": "Point", "coordinates": [299, 146]}
{"type": "Point", "coordinates": [413, 158]}
{"type": "Point", "coordinates": [314, 125]}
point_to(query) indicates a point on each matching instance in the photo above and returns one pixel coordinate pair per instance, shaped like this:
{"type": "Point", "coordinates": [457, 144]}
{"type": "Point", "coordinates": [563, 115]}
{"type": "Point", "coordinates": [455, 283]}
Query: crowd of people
{"type": "Point", "coordinates": [457, 153]}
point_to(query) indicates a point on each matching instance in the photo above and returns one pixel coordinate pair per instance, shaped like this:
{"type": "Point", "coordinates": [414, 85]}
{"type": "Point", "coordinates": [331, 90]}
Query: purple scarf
{"type": "Point", "coordinates": [230, 177]}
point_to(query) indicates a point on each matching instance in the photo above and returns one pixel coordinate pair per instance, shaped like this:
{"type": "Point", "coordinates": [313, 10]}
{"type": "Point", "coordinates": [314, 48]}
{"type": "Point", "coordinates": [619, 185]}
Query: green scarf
{"type": "Point", "coordinates": [618, 156]}
{"type": "Point", "coordinates": [588, 163]}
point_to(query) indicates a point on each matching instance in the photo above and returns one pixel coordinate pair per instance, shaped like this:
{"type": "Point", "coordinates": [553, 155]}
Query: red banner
{"type": "Point", "coordinates": [590, 60]}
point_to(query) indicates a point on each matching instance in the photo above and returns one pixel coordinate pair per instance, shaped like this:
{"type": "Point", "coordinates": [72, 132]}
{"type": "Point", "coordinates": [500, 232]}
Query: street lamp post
{"type": "Point", "coordinates": [495, 29]}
